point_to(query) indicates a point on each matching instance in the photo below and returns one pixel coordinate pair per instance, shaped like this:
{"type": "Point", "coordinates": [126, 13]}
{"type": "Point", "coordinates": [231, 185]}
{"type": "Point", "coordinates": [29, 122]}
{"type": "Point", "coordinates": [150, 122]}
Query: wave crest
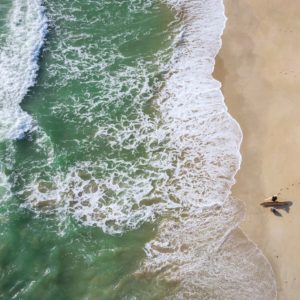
{"type": "Point", "coordinates": [27, 25]}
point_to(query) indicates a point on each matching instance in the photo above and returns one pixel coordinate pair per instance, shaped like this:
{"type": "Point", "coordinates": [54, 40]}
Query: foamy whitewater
{"type": "Point", "coordinates": [19, 64]}
{"type": "Point", "coordinates": [172, 164]}
{"type": "Point", "coordinates": [201, 247]}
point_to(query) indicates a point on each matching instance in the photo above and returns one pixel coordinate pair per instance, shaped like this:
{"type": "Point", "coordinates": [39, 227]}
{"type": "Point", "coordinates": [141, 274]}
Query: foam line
{"type": "Point", "coordinates": [27, 27]}
{"type": "Point", "coordinates": [200, 250]}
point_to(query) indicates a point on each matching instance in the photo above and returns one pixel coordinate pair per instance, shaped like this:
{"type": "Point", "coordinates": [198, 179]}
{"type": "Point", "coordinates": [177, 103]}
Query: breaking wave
{"type": "Point", "coordinates": [156, 140]}
{"type": "Point", "coordinates": [26, 29]}
{"type": "Point", "coordinates": [200, 250]}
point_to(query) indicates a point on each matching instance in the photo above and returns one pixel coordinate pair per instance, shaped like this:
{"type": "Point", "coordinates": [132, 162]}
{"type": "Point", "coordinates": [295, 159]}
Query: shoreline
{"type": "Point", "coordinates": [257, 66]}
{"type": "Point", "coordinates": [200, 248]}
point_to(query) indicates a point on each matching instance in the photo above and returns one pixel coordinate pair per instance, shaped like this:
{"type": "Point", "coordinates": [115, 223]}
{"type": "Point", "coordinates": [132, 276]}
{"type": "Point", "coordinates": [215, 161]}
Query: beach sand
{"type": "Point", "coordinates": [259, 67]}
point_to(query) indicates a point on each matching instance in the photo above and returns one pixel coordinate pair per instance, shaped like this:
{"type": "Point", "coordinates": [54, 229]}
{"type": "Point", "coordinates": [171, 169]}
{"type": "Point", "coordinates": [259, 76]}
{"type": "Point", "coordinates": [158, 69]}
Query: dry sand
{"type": "Point", "coordinates": [259, 67]}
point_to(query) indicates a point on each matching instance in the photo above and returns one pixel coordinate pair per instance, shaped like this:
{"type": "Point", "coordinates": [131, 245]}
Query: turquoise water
{"type": "Point", "coordinates": [92, 110]}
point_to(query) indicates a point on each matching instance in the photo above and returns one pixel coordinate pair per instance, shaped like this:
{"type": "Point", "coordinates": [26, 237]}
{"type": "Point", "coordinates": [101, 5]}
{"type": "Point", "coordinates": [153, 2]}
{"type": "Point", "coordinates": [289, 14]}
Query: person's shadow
{"type": "Point", "coordinates": [276, 212]}
{"type": "Point", "coordinates": [286, 208]}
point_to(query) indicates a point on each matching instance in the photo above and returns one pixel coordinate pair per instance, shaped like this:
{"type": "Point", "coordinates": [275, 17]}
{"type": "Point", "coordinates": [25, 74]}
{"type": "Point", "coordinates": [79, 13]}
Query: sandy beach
{"type": "Point", "coordinates": [259, 67]}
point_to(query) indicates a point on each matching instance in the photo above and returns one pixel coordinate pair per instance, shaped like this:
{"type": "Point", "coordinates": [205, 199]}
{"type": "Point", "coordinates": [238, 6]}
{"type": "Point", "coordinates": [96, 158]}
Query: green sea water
{"type": "Point", "coordinates": [70, 224]}
{"type": "Point", "coordinates": [117, 155]}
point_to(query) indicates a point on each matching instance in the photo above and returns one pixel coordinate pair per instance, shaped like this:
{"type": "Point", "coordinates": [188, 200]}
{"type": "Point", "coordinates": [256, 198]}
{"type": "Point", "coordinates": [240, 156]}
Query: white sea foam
{"type": "Point", "coordinates": [6, 153]}
{"type": "Point", "coordinates": [201, 248]}
{"type": "Point", "coordinates": [203, 256]}
{"type": "Point", "coordinates": [27, 26]}
{"type": "Point", "coordinates": [191, 154]}
{"type": "Point", "coordinates": [182, 145]}
{"type": "Point", "coordinates": [125, 192]}
{"type": "Point", "coordinates": [4, 185]}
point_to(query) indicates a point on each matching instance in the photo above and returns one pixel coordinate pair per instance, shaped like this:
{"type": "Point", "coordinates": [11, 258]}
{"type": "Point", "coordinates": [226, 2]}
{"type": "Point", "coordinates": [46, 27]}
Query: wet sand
{"type": "Point", "coordinates": [259, 67]}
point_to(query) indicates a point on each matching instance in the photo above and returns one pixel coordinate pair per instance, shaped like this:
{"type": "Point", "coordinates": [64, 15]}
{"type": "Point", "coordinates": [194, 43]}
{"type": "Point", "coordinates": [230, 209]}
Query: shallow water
{"type": "Point", "coordinates": [117, 166]}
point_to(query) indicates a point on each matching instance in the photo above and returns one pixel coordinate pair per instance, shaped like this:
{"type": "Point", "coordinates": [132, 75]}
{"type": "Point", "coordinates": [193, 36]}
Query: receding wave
{"type": "Point", "coordinates": [26, 28]}
{"type": "Point", "coordinates": [200, 250]}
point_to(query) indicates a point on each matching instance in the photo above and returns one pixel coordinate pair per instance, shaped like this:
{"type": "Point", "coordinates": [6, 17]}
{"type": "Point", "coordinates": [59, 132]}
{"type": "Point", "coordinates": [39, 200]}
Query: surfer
{"type": "Point", "coordinates": [273, 198]}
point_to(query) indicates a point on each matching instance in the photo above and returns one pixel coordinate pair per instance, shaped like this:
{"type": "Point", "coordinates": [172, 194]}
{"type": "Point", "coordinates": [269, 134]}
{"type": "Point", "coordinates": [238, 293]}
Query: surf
{"type": "Point", "coordinates": [145, 139]}
{"type": "Point", "coordinates": [199, 249]}
{"type": "Point", "coordinates": [23, 40]}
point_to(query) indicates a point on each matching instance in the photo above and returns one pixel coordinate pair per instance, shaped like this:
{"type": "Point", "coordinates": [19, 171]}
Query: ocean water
{"type": "Point", "coordinates": [118, 154]}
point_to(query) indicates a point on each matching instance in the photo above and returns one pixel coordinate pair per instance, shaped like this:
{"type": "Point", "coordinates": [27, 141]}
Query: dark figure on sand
{"type": "Point", "coordinates": [276, 212]}
{"type": "Point", "coordinates": [274, 204]}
